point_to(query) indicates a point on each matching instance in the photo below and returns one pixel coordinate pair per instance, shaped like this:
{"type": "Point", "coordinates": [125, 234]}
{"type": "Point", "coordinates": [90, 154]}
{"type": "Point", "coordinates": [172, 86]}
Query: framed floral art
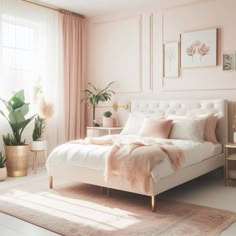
{"type": "Point", "coordinates": [199, 48]}
{"type": "Point", "coordinates": [171, 60]}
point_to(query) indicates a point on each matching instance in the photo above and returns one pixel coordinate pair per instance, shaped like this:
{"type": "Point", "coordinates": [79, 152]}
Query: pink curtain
{"type": "Point", "coordinates": [73, 33]}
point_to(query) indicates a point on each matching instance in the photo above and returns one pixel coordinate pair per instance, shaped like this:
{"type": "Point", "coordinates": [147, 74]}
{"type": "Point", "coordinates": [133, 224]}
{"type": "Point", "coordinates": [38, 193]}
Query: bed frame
{"type": "Point", "coordinates": [177, 107]}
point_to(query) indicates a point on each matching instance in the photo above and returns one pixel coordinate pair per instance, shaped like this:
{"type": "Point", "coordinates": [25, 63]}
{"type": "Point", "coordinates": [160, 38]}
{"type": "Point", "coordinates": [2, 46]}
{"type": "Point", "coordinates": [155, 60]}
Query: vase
{"type": "Point", "coordinates": [39, 145]}
{"type": "Point", "coordinates": [3, 173]}
{"type": "Point", "coordinates": [107, 121]}
{"type": "Point", "coordinates": [17, 160]}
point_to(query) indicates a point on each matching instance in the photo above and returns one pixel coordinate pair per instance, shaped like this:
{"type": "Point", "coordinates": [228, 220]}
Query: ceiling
{"type": "Point", "coordinates": [95, 7]}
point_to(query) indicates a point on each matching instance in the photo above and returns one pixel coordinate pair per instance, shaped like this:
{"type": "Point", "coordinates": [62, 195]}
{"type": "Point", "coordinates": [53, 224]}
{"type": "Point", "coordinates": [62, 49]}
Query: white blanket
{"type": "Point", "coordinates": [131, 160]}
{"type": "Point", "coordinates": [93, 156]}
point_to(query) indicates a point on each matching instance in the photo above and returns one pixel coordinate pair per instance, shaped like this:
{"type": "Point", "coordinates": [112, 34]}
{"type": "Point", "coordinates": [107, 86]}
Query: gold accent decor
{"type": "Point", "coordinates": [153, 203]}
{"type": "Point", "coordinates": [115, 106]}
{"type": "Point", "coordinates": [17, 160]}
{"type": "Point", "coordinates": [50, 181]}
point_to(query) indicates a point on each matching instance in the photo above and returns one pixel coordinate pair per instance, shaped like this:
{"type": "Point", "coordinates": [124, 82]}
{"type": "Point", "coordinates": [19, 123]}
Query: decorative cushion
{"type": "Point", "coordinates": [155, 127]}
{"type": "Point", "coordinates": [133, 124]}
{"type": "Point", "coordinates": [135, 120]}
{"type": "Point", "coordinates": [188, 128]}
{"type": "Point", "coordinates": [210, 127]}
{"type": "Point", "coordinates": [210, 124]}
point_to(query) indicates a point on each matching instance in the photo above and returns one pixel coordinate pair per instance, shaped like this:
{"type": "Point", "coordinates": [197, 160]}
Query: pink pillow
{"type": "Point", "coordinates": [210, 127]}
{"type": "Point", "coordinates": [155, 127]}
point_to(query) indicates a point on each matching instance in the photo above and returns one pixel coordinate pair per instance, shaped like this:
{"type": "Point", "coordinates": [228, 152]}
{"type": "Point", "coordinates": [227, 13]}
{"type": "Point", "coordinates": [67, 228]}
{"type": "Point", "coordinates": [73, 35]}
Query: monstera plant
{"type": "Point", "coordinates": [16, 150]}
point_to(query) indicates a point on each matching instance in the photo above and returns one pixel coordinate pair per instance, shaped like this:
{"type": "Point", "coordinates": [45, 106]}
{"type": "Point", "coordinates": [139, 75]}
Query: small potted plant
{"type": "Point", "coordinates": [107, 120]}
{"type": "Point", "coordinates": [3, 169]}
{"type": "Point", "coordinates": [45, 111]}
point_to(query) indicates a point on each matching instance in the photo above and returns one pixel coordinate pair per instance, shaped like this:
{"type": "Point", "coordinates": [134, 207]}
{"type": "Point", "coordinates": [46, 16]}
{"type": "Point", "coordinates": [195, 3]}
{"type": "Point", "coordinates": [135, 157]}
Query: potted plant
{"type": "Point", "coordinates": [38, 144]}
{"type": "Point", "coordinates": [3, 169]}
{"type": "Point", "coordinates": [45, 111]}
{"type": "Point", "coordinates": [107, 120]}
{"type": "Point", "coordinates": [16, 150]}
{"type": "Point", "coordinates": [96, 95]}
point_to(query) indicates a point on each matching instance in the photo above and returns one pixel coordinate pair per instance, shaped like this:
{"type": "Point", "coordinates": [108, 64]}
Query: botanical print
{"type": "Point", "coordinates": [229, 61]}
{"type": "Point", "coordinates": [199, 48]}
{"type": "Point", "coordinates": [171, 60]}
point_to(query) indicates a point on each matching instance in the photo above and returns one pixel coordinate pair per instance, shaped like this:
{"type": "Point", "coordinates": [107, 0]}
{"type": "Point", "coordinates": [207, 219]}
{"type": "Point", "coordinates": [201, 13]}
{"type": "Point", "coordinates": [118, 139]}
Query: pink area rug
{"type": "Point", "coordinates": [82, 210]}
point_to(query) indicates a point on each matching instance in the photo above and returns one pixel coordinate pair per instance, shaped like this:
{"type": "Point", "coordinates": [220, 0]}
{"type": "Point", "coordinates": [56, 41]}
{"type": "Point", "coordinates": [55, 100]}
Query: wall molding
{"type": "Point", "coordinates": [151, 52]}
{"type": "Point", "coordinates": [139, 67]}
{"type": "Point", "coordinates": [186, 4]}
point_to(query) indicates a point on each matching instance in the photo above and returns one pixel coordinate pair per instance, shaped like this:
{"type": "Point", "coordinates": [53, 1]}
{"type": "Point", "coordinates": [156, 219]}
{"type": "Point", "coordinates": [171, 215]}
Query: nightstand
{"type": "Point", "coordinates": [231, 157]}
{"type": "Point", "coordinates": [98, 131]}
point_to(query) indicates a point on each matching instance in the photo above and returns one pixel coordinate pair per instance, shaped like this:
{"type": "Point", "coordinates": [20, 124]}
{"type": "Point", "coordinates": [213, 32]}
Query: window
{"type": "Point", "coordinates": [19, 53]}
{"type": "Point", "coordinates": [29, 51]}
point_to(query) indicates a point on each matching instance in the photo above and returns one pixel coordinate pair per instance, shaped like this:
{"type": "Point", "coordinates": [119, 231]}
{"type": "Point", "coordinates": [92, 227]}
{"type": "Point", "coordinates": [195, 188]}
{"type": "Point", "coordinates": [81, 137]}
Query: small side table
{"type": "Point", "coordinates": [228, 158]}
{"type": "Point", "coordinates": [35, 158]}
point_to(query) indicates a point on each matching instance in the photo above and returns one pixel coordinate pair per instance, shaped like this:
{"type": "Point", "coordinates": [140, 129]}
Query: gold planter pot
{"type": "Point", "coordinates": [17, 160]}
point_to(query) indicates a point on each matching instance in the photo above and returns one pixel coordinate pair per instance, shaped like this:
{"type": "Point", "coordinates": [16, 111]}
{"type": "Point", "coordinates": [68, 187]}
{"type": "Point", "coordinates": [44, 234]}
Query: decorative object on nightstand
{"type": "Point", "coordinates": [97, 95]}
{"type": "Point", "coordinates": [107, 120]}
{"type": "Point", "coordinates": [98, 131]}
{"type": "Point", "coordinates": [229, 174]}
{"type": "Point", "coordinates": [3, 169]}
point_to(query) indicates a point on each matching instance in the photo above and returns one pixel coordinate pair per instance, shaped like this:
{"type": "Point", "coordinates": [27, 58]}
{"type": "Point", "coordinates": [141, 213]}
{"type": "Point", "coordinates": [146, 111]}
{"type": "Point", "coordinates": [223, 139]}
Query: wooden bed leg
{"type": "Point", "coordinates": [102, 189]}
{"type": "Point", "coordinates": [153, 203]}
{"type": "Point", "coordinates": [50, 181]}
{"type": "Point", "coordinates": [108, 192]}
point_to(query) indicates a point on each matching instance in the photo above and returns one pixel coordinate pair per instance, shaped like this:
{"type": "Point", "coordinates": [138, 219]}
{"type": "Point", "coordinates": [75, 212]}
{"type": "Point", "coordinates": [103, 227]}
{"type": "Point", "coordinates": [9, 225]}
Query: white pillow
{"type": "Point", "coordinates": [210, 124]}
{"type": "Point", "coordinates": [187, 128]}
{"type": "Point", "coordinates": [133, 124]}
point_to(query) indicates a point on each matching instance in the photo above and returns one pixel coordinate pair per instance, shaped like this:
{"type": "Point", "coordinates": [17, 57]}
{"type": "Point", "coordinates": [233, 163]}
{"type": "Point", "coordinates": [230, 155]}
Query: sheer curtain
{"type": "Point", "coordinates": [29, 53]}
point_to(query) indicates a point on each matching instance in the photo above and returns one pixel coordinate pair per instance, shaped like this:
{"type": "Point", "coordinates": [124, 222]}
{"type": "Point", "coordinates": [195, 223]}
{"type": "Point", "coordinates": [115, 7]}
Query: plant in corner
{"type": "Point", "coordinates": [16, 150]}
{"type": "Point", "coordinates": [3, 170]}
{"type": "Point", "coordinates": [107, 120]}
{"type": "Point", "coordinates": [45, 111]}
{"type": "Point", "coordinates": [96, 95]}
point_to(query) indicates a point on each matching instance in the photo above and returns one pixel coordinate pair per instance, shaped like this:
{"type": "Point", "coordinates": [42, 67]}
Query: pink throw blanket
{"type": "Point", "coordinates": [133, 160]}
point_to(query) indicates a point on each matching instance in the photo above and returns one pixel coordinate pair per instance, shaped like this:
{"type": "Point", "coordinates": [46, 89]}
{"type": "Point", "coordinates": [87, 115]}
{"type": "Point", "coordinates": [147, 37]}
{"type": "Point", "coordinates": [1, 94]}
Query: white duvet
{"type": "Point", "coordinates": [93, 156]}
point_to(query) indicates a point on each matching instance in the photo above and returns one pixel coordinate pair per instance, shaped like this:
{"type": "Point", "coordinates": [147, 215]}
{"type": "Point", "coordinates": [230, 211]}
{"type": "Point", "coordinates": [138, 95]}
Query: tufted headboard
{"type": "Point", "coordinates": [188, 107]}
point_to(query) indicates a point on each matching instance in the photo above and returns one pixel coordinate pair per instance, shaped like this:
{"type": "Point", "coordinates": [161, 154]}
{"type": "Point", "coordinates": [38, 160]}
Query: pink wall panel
{"type": "Point", "coordinates": [137, 35]}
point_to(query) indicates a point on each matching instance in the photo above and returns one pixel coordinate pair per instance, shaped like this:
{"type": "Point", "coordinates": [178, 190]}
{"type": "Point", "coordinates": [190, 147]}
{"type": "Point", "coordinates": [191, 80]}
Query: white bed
{"type": "Point", "coordinates": [86, 163]}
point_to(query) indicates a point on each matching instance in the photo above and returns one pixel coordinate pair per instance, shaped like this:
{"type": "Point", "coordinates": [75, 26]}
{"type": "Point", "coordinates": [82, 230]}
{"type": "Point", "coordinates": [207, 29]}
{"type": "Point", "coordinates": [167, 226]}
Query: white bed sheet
{"type": "Point", "coordinates": [93, 156]}
{"type": "Point", "coordinates": [193, 153]}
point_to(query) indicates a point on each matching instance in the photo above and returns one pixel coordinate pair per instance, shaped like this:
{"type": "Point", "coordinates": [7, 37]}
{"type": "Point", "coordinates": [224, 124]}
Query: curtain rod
{"type": "Point", "coordinates": [53, 8]}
